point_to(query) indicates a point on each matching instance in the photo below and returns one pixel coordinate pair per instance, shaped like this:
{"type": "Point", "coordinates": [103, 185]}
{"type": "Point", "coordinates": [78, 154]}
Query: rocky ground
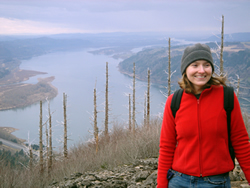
{"type": "Point", "coordinates": [141, 174]}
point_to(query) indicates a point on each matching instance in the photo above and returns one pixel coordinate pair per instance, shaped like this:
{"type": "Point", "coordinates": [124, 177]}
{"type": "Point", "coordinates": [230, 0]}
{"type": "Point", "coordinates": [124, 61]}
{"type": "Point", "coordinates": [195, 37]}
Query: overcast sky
{"type": "Point", "coordinates": [97, 16]}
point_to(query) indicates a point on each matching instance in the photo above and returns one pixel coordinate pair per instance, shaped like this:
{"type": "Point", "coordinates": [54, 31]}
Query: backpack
{"type": "Point", "coordinates": [228, 106]}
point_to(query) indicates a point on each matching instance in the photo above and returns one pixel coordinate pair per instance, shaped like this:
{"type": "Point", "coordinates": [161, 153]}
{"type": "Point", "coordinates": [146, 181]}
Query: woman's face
{"type": "Point", "coordinates": [199, 73]}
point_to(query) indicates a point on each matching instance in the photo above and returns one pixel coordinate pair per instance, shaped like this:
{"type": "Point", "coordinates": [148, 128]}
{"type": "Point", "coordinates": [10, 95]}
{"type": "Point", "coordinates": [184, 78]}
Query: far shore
{"type": "Point", "coordinates": [15, 94]}
{"type": "Point", "coordinates": [18, 75]}
{"type": "Point", "coordinates": [12, 84]}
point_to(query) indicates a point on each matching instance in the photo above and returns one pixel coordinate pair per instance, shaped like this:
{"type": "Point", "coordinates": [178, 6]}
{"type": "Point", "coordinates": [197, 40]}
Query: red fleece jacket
{"type": "Point", "coordinates": [196, 141]}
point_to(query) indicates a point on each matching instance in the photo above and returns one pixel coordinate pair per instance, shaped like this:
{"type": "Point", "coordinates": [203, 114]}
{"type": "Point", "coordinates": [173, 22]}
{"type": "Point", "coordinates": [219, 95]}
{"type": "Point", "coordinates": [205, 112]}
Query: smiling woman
{"type": "Point", "coordinates": [197, 134]}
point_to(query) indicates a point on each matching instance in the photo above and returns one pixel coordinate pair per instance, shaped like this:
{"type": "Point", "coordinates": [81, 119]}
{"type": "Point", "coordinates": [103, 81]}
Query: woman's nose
{"type": "Point", "coordinates": [201, 69]}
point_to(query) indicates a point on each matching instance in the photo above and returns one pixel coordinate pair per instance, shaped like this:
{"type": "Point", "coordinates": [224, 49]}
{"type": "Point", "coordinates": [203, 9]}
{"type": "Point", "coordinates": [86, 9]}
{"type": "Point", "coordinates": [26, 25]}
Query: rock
{"type": "Point", "coordinates": [140, 174]}
{"type": "Point", "coordinates": [245, 186]}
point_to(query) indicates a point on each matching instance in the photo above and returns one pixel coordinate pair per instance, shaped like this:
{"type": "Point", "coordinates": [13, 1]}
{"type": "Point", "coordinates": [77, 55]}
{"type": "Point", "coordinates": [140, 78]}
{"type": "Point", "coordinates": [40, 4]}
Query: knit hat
{"type": "Point", "coordinates": [194, 53]}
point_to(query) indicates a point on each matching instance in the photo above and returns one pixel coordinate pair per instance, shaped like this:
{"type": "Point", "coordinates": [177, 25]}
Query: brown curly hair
{"type": "Point", "coordinates": [186, 85]}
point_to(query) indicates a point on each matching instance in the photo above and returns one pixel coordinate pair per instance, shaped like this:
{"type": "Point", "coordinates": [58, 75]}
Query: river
{"type": "Point", "coordinates": [76, 74]}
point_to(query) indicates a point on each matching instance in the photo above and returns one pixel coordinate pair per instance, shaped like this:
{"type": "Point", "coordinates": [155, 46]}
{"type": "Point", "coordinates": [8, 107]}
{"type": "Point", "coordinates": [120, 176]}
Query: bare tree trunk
{"type": "Point", "coordinates": [50, 141]}
{"type": "Point", "coordinates": [65, 126]}
{"type": "Point", "coordinates": [106, 132]}
{"type": "Point", "coordinates": [129, 113]}
{"type": "Point", "coordinates": [96, 131]}
{"type": "Point", "coordinates": [31, 158]}
{"type": "Point", "coordinates": [145, 109]}
{"type": "Point", "coordinates": [133, 118]}
{"type": "Point", "coordinates": [238, 87]}
{"type": "Point", "coordinates": [148, 99]}
{"type": "Point", "coordinates": [47, 144]}
{"type": "Point", "coordinates": [221, 49]}
{"type": "Point", "coordinates": [41, 138]}
{"type": "Point", "coordinates": [169, 69]}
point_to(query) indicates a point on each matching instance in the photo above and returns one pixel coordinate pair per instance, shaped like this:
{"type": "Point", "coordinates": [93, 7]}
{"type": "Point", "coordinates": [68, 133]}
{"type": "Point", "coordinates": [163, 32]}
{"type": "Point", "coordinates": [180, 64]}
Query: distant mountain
{"type": "Point", "coordinates": [27, 48]}
{"type": "Point", "coordinates": [97, 40]}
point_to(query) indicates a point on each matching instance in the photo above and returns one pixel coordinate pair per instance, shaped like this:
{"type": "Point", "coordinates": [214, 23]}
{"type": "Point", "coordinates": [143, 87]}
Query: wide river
{"type": "Point", "coordinates": [76, 74]}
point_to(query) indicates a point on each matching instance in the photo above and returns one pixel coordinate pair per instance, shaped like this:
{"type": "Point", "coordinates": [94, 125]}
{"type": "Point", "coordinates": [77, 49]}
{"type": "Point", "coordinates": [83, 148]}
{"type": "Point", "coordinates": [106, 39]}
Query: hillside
{"type": "Point", "coordinates": [236, 61]}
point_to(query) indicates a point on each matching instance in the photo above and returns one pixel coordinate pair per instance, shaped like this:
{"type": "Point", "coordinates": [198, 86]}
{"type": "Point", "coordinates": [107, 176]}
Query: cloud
{"type": "Point", "coordinates": [16, 26]}
{"type": "Point", "coordinates": [62, 16]}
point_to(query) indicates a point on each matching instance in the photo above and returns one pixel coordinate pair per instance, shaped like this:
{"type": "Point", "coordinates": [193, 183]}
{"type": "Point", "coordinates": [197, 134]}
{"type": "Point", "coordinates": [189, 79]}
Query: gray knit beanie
{"type": "Point", "coordinates": [194, 53]}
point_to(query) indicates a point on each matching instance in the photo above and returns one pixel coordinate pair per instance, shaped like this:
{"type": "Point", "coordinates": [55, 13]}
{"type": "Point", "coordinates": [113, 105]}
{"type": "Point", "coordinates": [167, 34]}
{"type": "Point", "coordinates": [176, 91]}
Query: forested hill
{"type": "Point", "coordinates": [236, 61]}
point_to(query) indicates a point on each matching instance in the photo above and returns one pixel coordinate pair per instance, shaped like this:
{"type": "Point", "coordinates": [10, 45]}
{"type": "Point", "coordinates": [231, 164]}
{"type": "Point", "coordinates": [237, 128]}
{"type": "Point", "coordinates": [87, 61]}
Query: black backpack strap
{"type": "Point", "coordinates": [176, 101]}
{"type": "Point", "coordinates": [228, 106]}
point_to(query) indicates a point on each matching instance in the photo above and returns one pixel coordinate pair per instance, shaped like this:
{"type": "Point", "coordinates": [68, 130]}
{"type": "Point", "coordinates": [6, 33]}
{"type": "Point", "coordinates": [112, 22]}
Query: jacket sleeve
{"type": "Point", "coordinates": [167, 145]}
{"type": "Point", "coordinates": [240, 139]}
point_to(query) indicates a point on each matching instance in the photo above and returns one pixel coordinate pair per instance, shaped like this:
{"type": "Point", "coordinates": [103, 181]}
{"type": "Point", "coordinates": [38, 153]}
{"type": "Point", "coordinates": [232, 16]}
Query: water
{"type": "Point", "coordinates": [76, 73]}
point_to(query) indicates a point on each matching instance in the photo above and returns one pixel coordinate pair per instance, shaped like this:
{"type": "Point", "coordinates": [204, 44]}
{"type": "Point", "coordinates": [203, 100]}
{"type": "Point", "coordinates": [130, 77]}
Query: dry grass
{"type": "Point", "coordinates": [121, 147]}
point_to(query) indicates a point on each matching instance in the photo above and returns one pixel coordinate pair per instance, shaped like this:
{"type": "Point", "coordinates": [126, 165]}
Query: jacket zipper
{"type": "Point", "coordinates": [199, 128]}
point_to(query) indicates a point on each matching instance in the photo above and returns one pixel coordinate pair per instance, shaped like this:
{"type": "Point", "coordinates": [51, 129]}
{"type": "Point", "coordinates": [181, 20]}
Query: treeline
{"type": "Point", "coordinates": [17, 160]}
{"type": "Point", "coordinates": [33, 146]}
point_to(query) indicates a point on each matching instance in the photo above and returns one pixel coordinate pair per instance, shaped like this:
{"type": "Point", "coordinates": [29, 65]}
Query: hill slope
{"type": "Point", "coordinates": [236, 61]}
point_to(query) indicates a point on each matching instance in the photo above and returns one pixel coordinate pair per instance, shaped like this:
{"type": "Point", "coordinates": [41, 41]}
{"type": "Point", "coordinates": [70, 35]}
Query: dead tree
{"type": "Point", "coordinates": [47, 143]}
{"type": "Point", "coordinates": [41, 138]}
{"type": "Point", "coordinates": [133, 118]}
{"type": "Point", "coordinates": [50, 141]}
{"type": "Point", "coordinates": [31, 158]}
{"type": "Point", "coordinates": [221, 48]}
{"type": "Point", "coordinates": [129, 112]}
{"type": "Point", "coordinates": [238, 86]}
{"type": "Point", "coordinates": [145, 109]}
{"type": "Point", "coordinates": [241, 90]}
{"type": "Point", "coordinates": [65, 125]}
{"type": "Point", "coordinates": [169, 69]}
{"type": "Point", "coordinates": [106, 131]}
{"type": "Point", "coordinates": [169, 73]}
{"type": "Point", "coordinates": [96, 131]}
{"type": "Point", "coordinates": [148, 99]}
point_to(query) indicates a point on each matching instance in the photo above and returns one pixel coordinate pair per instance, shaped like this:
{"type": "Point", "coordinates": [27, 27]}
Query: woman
{"type": "Point", "coordinates": [194, 145]}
